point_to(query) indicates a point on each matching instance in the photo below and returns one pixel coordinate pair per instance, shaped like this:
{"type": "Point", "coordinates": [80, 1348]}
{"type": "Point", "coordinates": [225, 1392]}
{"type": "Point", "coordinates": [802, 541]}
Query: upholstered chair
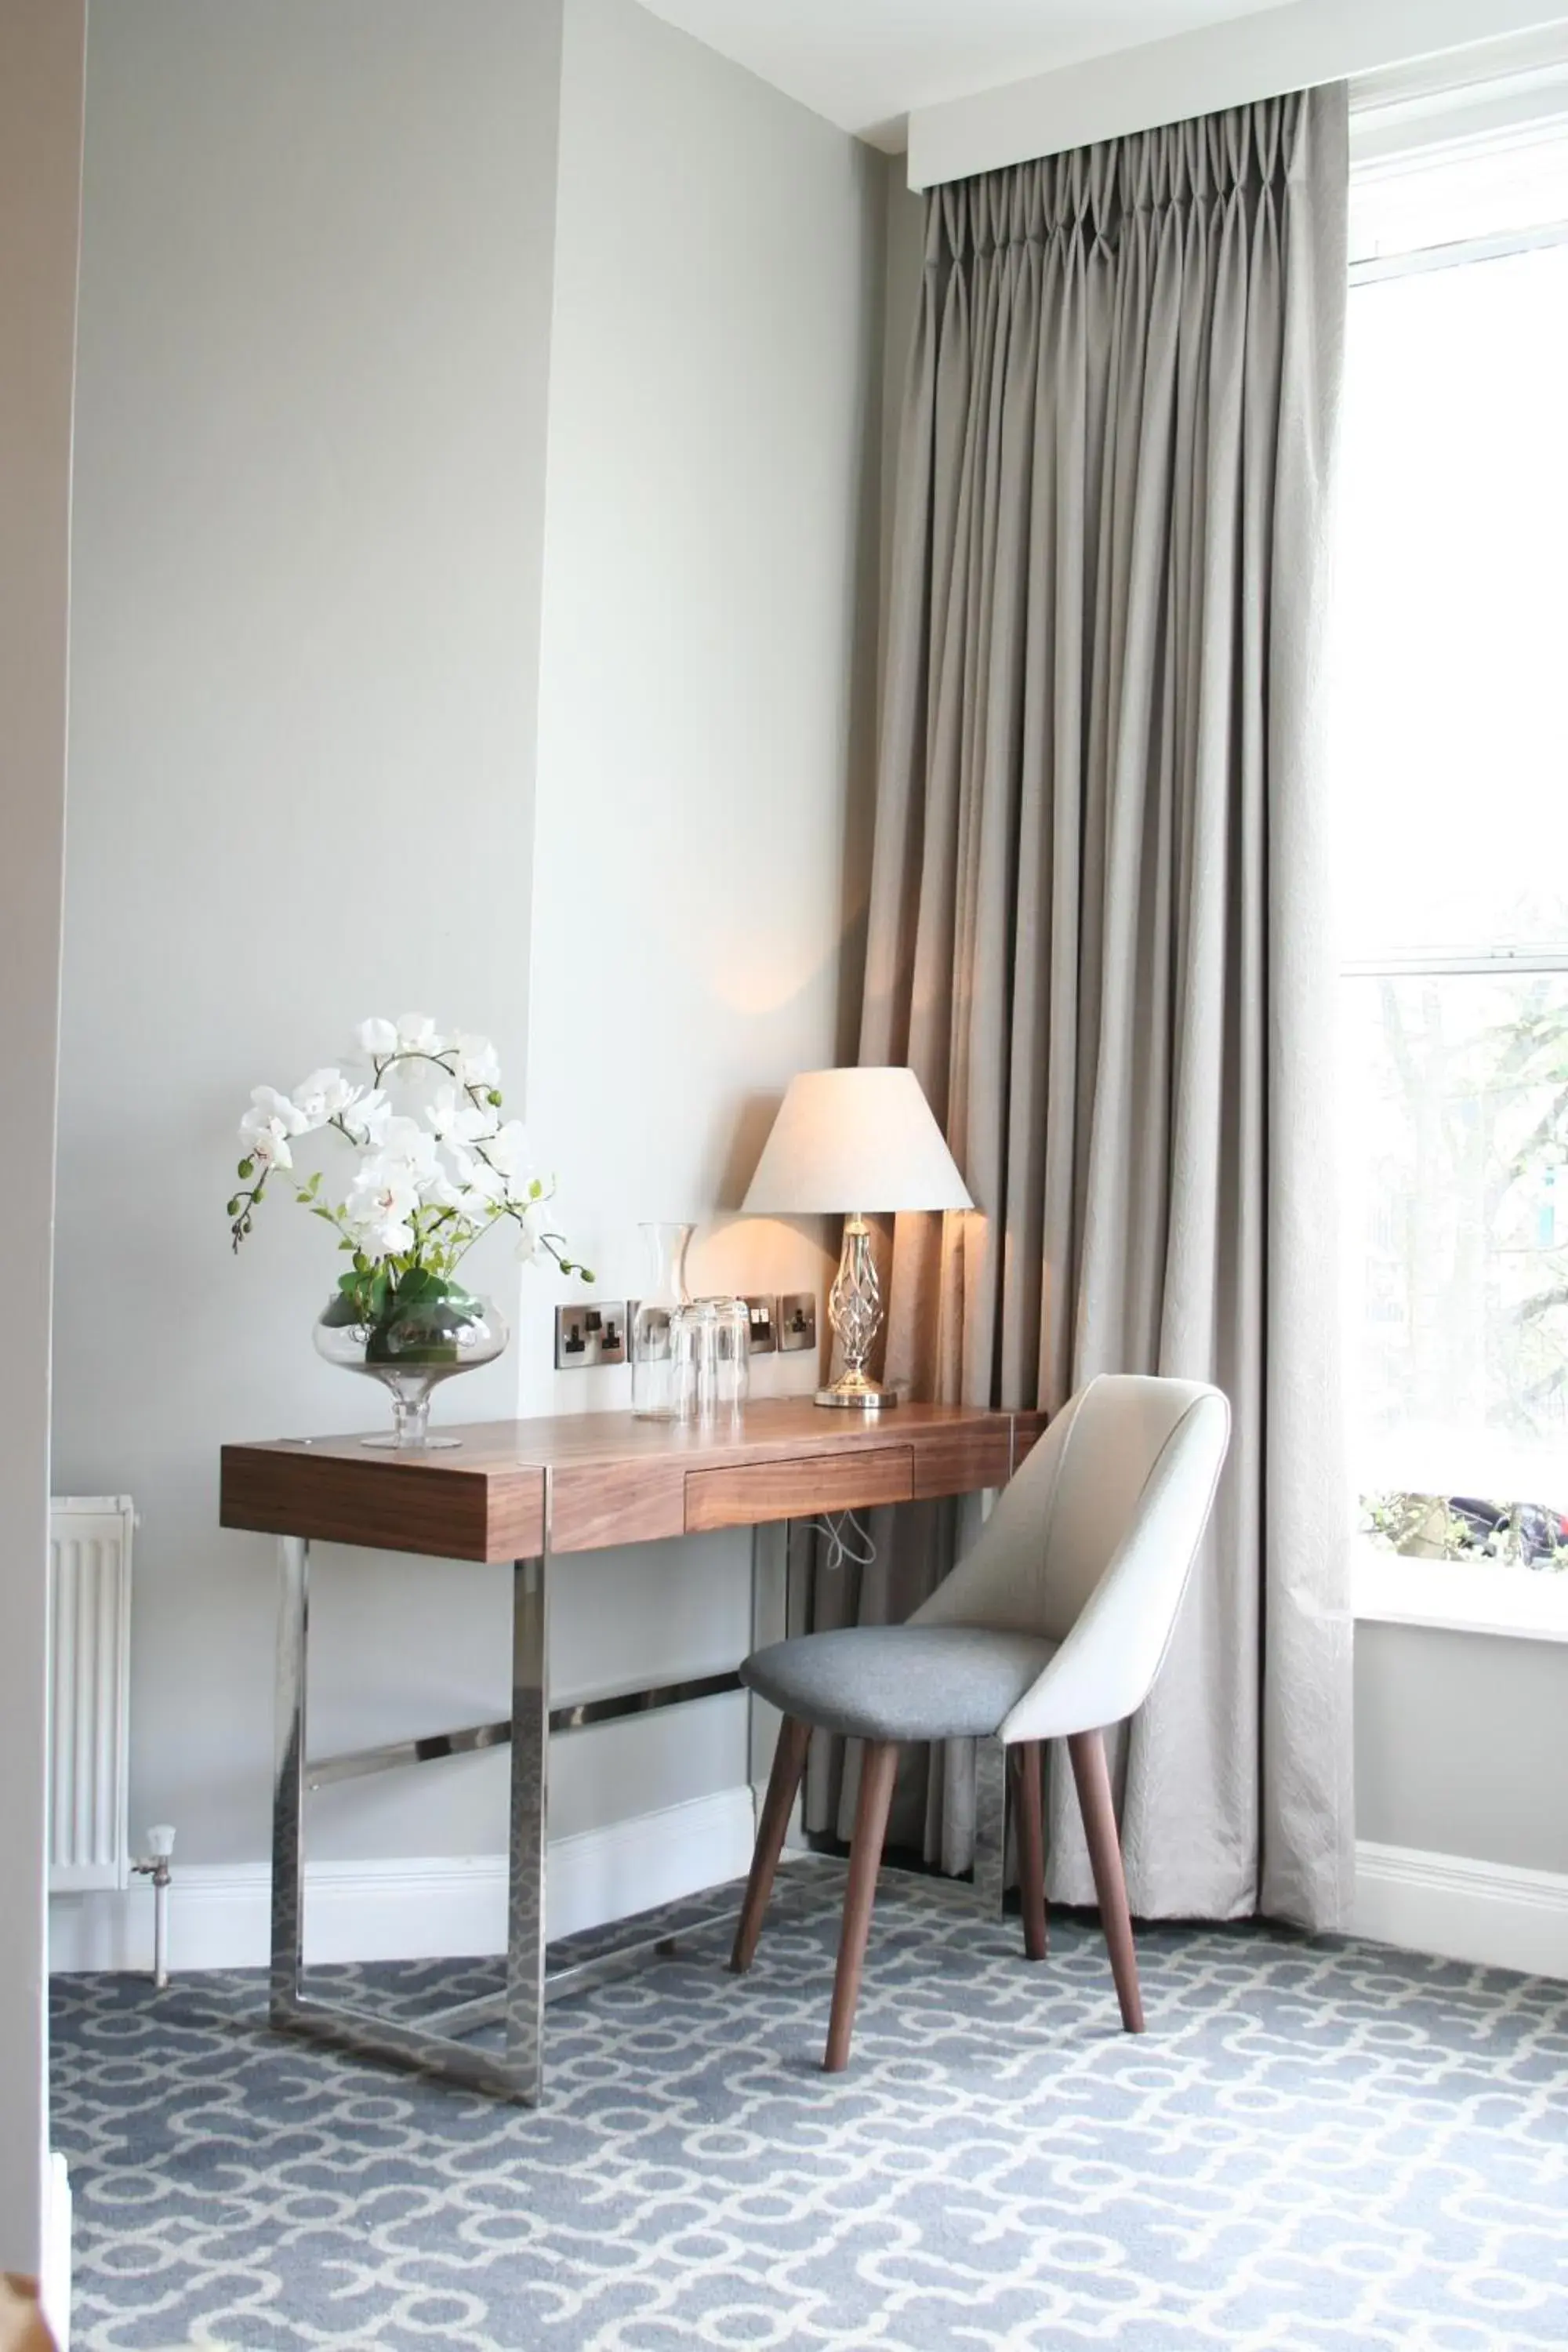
{"type": "Point", "coordinates": [1053, 1627]}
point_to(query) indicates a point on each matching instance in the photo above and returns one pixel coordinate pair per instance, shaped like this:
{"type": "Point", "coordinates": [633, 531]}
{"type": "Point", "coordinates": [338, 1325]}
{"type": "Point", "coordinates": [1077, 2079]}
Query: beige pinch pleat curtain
{"type": "Point", "coordinates": [1098, 931]}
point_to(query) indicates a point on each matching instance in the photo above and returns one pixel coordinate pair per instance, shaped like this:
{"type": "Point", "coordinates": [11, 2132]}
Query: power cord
{"type": "Point", "coordinates": [849, 1543]}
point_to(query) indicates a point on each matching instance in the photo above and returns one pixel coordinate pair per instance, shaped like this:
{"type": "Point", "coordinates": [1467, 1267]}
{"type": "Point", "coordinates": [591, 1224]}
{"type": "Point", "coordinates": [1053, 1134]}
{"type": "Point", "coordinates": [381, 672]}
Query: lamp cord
{"type": "Point", "coordinates": [847, 1542]}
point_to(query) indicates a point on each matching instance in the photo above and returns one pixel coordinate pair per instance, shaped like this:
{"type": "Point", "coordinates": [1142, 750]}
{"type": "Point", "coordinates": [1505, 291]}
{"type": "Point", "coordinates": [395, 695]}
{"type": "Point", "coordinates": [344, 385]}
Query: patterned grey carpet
{"type": "Point", "coordinates": [1316, 2147]}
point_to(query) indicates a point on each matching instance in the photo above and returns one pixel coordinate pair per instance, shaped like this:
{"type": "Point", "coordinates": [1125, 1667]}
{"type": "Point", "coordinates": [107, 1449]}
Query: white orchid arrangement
{"type": "Point", "coordinates": [426, 1187]}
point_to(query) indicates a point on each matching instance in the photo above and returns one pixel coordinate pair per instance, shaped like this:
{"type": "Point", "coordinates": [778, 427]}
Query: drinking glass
{"type": "Point", "coordinates": [711, 1342]}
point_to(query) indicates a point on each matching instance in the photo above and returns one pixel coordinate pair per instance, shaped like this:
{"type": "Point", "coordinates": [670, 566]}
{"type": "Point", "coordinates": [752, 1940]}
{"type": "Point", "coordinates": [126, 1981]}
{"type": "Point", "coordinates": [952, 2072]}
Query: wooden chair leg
{"type": "Point", "coordinates": [878, 1765]}
{"type": "Point", "coordinates": [789, 1763]}
{"type": "Point", "coordinates": [1087, 1749]}
{"type": "Point", "coordinates": [1031, 1832]}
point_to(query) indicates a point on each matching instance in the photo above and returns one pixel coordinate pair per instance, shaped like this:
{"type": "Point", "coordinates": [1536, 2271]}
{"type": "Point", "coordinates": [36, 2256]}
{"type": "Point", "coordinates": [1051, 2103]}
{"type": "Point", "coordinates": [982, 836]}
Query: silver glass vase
{"type": "Point", "coordinates": [411, 1341]}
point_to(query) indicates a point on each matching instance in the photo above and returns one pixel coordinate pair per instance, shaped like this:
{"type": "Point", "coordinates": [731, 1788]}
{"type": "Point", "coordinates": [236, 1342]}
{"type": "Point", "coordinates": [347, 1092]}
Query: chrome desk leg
{"type": "Point", "coordinates": [289, 1781]}
{"type": "Point", "coordinates": [773, 1550]}
{"type": "Point", "coordinates": [513, 2072]}
{"type": "Point", "coordinates": [530, 1773]}
{"type": "Point", "coordinates": [990, 1825]}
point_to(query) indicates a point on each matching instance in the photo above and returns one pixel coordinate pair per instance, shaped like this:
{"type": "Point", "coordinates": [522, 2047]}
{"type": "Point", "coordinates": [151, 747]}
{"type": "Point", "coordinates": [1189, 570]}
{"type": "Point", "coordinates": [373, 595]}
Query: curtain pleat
{"type": "Point", "coordinates": [1097, 928]}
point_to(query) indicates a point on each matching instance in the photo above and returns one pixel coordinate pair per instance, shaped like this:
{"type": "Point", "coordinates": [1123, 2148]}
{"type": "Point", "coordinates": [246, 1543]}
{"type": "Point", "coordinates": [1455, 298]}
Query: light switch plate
{"type": "Point", "coordinates": [798, 1319]}
{"type": "Point", "coordinates": [592, 1333]}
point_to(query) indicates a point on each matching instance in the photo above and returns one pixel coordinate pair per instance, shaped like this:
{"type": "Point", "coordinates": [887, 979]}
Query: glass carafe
{"type": "Point", "coordinates": [653, 1359]}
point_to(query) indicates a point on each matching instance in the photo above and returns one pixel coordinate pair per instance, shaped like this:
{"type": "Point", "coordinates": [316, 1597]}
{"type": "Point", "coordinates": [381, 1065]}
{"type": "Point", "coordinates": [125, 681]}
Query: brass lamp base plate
{"type": "Point", "coordinates": [863, 1396]}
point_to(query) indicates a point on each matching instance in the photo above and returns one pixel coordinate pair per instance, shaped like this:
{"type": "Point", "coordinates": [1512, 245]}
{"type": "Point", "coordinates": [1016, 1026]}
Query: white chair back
{"type": "Point", "coordinates": [1092, 1543]}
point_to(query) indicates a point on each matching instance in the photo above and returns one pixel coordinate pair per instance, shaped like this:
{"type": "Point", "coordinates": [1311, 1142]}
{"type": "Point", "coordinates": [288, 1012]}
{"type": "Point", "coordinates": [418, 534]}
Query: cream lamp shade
{"type": "Point", "coordinates": [854, 1139]}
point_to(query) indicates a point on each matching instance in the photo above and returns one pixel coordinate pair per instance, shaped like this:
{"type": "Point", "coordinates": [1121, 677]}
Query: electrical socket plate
{"type": "Point", "coordinates": [764, 1314]}
{"type": "Point", "coordinates": [593, 1332]}
{"type": "Point", "coordinates": [798, 1319]}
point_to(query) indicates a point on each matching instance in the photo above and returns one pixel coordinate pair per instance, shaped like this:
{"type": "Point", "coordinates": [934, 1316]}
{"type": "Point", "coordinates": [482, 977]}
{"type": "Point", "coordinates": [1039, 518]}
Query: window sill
{"type": "Point", "coordinates": [1455, 1597]}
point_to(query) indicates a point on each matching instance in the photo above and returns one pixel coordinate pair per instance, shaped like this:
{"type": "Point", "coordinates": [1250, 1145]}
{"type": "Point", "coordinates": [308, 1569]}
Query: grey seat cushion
{"type": "Point", "coordinates": [899, 1682]}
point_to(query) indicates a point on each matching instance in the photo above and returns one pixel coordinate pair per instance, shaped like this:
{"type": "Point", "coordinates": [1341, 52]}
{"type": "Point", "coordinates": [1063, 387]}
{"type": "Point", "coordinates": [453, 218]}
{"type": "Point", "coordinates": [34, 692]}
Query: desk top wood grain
{"type": "Point", "coordinates": [613, 1479]}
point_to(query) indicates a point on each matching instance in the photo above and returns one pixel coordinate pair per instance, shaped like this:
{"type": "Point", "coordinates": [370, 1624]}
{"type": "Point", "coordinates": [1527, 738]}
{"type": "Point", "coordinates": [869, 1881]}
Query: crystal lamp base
{"type": "Point", "coordinates": [855, 1311]}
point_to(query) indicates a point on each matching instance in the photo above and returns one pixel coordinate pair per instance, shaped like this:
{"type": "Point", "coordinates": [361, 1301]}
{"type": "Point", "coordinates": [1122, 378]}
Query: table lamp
{"type": "Point", "coordinates": [845, 1141]}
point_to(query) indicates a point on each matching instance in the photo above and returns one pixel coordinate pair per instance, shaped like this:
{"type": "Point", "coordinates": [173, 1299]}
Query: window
{"type": "Point", "coordinates": [1451, 761]}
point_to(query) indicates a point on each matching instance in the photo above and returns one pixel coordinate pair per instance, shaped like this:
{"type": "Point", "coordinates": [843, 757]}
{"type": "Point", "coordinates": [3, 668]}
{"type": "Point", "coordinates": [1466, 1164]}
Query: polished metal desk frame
{"type": "Point", "coordinates": [266, 1486]}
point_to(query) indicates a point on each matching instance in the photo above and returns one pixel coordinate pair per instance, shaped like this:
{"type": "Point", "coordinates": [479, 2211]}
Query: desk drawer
{"type": "Point", "coordinates": [745, 1495]}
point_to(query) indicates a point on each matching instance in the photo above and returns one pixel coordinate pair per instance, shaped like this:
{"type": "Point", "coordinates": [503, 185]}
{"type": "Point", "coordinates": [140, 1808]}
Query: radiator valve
{"type": "Point", "coordinates": [154, 1864]}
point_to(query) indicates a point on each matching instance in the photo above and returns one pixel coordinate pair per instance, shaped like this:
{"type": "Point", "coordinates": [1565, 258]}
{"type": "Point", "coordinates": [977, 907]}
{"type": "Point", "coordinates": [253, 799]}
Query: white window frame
{"type": "Point", "coordinates": [1410, 123]}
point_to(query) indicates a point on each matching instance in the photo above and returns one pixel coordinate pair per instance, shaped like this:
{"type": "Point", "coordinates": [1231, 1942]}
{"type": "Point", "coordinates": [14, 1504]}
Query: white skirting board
{"type": "Point", "coordinates": [410, 1910]}
{"type": "Point", "coordinates": [1490, 1911]}
{"type": "Point", "coordinates": [1486, 1912]}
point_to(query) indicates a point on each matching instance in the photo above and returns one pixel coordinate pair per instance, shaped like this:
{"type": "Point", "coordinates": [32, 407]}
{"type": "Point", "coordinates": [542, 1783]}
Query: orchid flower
{"type": "Point", "coordinates": [325, 1095]}
{"type": "Point", "coordinates": [433, 1176]}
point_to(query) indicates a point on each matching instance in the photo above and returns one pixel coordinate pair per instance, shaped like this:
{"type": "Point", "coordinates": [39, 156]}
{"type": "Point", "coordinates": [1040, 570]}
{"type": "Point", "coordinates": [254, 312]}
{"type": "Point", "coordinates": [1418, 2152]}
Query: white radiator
{"type": "Point", "coordinates": [89, 1680]}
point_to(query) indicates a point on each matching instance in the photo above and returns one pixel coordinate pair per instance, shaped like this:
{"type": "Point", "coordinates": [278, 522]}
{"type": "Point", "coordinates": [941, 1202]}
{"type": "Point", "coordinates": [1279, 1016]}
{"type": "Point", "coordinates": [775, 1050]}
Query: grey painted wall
{"type": "Point", "coordinates": [709, 615]}
{"type": "Point", "coordinates": [40, 180]}
{"type": "Point", "coordinates": [309, 484]}
{"type": "Point", "coordinates": [343, 258]}
{"type": "Point", "coordinates": [1462, 1744]}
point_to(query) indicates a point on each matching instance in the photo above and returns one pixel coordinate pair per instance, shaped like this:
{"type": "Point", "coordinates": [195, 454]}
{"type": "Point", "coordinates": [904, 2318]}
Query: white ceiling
{"type": "Point", "coordinates": [866, 63]}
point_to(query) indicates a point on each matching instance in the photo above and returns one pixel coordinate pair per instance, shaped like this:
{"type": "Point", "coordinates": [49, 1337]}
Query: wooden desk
{"type": "Point", "coordinates": [529, 1493]}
